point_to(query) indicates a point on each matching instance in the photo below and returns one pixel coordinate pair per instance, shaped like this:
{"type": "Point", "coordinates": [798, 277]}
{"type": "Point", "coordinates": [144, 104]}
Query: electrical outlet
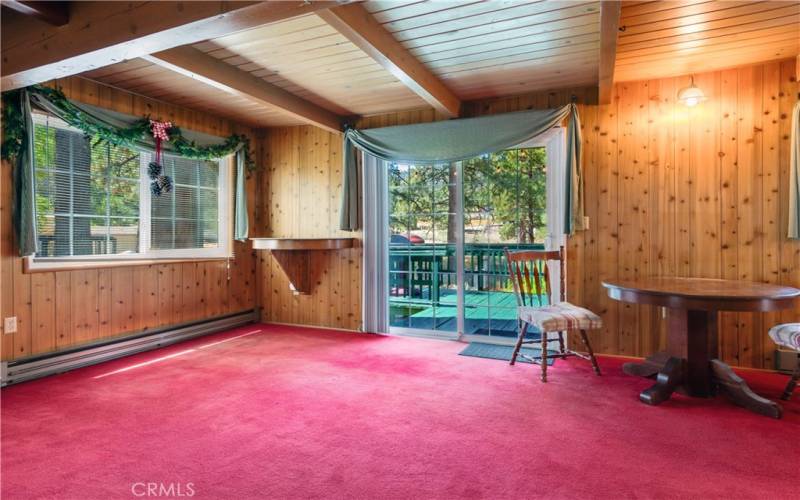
{"type": "Point", "coordinates": [10, 325]}
{"type": "Point", "coordinates": [586, 222]}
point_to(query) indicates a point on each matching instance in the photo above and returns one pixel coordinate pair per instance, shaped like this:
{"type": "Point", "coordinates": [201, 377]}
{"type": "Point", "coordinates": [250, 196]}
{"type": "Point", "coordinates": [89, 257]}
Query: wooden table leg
{"type": "Point", "coordinates": [649, 367]}
{"type": "Point", "coordinates": [668, 379]}
{"type": "Point", "coordinates": [738, 391]}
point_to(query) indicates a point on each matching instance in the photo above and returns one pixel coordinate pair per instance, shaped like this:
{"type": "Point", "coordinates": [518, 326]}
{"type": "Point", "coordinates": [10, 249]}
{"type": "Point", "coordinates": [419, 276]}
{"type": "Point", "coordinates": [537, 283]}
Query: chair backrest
{"type": "Point", "coordinates": [530, 275]}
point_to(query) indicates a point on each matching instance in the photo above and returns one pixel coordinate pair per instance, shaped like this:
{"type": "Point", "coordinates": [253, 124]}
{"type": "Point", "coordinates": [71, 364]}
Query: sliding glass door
{"type": "Point", "coordinates": [448, 226]}
{"type": "Point", "coordinates": [424, 245]}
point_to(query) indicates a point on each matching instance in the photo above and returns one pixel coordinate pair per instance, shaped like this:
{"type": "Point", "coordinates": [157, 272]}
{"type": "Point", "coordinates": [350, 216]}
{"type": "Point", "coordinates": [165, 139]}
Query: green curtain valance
{"type": "Point", "coordinates": [104, 125]}
{"type": "Point", "coordinates": [456, 140]}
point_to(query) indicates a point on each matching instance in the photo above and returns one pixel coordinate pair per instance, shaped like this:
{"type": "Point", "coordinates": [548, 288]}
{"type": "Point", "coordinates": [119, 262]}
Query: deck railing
{"type": "Point", "coordinates": [418, 272]}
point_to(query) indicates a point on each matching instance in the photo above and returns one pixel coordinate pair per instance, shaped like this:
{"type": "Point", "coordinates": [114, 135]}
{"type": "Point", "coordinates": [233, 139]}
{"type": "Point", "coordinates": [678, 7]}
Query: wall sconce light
{"type": "Point", "coordinates": [691, 95]}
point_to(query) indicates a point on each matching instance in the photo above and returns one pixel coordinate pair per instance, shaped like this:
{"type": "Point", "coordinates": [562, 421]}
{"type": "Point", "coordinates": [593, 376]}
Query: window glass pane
{"type": "Point", "coordinates": [162, 234]}
{"type": "Point", "coordinates": [123, 198]}
{"type": "Point", "coordinates": [186, 234]}
{"type": "Point", "coordinates": [90, 236]}
{"type": "Point", "coordinates": [188, 216]}
{"type": "Point", "coordinates": [123, 235]}
{"type": "Point", "coordinates": [90, 194]}
{"type": "Point", "coordinates": [82, 186]}
{"type": "Point", "coordinates": [185, 202]}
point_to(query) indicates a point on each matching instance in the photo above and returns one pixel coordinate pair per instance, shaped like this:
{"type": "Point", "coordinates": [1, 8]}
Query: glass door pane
{"type": "Point", "coordinates": [423, 280]}
{"type": "Point", "coordinates": [504, 207]}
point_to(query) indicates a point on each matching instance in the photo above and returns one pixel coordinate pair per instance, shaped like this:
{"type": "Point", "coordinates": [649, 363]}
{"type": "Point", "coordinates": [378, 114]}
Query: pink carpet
{"type": "Point", "coordinates": [304, 413]}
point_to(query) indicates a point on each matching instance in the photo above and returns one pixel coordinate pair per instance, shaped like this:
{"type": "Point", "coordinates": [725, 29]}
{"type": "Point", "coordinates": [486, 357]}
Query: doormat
{"type": "Point", "coordinates": [503, 352]}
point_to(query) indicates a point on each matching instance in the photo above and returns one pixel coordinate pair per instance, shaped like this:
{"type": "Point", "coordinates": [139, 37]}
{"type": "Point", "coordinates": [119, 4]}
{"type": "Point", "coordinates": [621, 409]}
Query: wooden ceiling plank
{"type": "Point", "coordinates": [456, 16]}
{"type": "Point", "coordinates": [528, 73]}
{"type": "Point", "coordinates": [101, 39]}
{"type": "Point", "coordinates": [628, 9]}
{"type": "Point", "coordinates": [54, 13]}
{"type": "Point", "coordinates": [685, 10]}
{"type": "Point", "coordinates": [683, 66]}
{"type": "Point", "coordinates": [577, 14]}
{"type": "Point", "coordinates": [195, 64]}
{"type": "Point", "coordinates": [510, 47]}
{"type": "Point", "coordinates": [609, 29]}
{"type": "Point", "coordinates": [732, 42]}
{"type": "Point", "coordinates": [552, 56]}
{"type": "Point", "coordinates": [790, 10]}
{"type": "Point", "coordinates": [748, 29]}
{"type": "Point", "coordinates": [414, 10]}
{"type": "Point", "coordinates": [500, 89]}
{"type": "Point", "coordinates": [738, 15]}
{"type": "Point", "coordinates": [549, 10]}
{"type": "Point", "coordinates": [357, 25]}
{"type": "Point", "coordinates": [731, 49]}
{"type": "Point", "coordinates": [532, 34]}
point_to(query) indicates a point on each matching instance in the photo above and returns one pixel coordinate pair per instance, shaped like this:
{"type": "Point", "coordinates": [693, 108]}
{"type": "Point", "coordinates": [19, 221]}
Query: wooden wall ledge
{"type": "Point", "coordinates": [292, 255]}
{"type": "Point", "coordinates": [302, 243]}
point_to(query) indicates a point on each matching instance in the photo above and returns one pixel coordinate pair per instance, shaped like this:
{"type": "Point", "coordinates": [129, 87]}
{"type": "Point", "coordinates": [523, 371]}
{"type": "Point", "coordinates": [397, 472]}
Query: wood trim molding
{"type": "Point", "coordinates": [199, 66]}
{"type": "Point", "coordinates": [356, 24]}
{"type": "Point", "coordinates": [797, 69]}
{"type": "Point", "coordinates": [609, 29]}
{"type": "Point", "coordinates": [111, 32]}
{"type": "Point", "coordinates": [29, 266]}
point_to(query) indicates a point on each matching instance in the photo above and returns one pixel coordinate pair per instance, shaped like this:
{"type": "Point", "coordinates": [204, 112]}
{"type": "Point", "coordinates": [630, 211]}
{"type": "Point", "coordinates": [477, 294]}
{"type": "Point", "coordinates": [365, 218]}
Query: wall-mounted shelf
{"type": "Point", "coordinates": [293, 255]}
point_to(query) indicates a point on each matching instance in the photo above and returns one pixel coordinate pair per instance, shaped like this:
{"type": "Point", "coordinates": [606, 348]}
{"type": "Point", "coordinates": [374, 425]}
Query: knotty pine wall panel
{"type": "Point", "coordinates": [59, 310]}
{"type": "Point", "coordinates": [670, 191]}
{"type": "Point", "coordinates": [300, 198]}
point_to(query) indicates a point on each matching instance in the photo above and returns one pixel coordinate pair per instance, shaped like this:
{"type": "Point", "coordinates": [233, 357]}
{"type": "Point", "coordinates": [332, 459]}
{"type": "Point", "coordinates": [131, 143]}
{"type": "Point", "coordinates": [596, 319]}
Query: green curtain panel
{"type": "Point", "coordinates": [456, 140]}
{"type": "Point", "coordinates": [24, 212]}
{"type": "Point", "coordinates": [794, 168]}
{"type": "Point", "coordinates": [104, 119]}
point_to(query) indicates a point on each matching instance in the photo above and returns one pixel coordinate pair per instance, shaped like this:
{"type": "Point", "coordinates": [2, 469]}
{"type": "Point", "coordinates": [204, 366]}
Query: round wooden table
{"type": "Point", "coordinates": [690, 363]}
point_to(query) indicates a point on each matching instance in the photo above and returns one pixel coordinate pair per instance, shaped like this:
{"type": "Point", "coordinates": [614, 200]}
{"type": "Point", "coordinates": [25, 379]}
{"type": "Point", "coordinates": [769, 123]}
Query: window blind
{"type": "Point", "coordinates": [87, 193]}
{"type": "Point", "coordinates": [93, 199]}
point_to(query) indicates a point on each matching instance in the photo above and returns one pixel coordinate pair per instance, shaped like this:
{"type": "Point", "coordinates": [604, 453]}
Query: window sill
{"type": "Point", "coordinates": [30, 265]}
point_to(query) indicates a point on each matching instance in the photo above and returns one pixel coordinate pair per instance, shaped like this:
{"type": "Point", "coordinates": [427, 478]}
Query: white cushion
{"type": "Point", "coordinates": [560, 317]}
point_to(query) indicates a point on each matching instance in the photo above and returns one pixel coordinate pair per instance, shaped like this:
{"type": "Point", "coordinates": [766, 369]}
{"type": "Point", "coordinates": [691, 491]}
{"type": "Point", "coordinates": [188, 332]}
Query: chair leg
{"type": "Point", "coordinates": [521, 337]}
{"type": "Point", "coordinates": [544, 356]}
{"type": "Point", "coordinates": [561, 348]}
{"type": "Point", "coordinates": [787, 393]}
{"type": "Point", "coordinates": [585, 340]}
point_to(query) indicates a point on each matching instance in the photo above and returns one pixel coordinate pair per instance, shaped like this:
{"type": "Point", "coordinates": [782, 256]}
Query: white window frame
{"type": "Point", "coordinates": [223, 250]}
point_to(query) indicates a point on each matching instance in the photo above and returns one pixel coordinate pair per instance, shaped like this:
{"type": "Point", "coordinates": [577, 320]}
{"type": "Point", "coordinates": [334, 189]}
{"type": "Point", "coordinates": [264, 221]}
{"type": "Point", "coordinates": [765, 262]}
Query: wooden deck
{"type": "Point", "coordinates": [486, 313]}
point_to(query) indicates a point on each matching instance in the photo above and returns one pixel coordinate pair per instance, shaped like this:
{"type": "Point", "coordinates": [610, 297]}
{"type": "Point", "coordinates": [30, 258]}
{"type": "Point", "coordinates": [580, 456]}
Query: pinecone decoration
{"type": "Point", "coordinates": [166, 183]}
{"type": "Point", "coordinates": [154, 170]}
{"type": "Point", "coordinates": [155, 188]}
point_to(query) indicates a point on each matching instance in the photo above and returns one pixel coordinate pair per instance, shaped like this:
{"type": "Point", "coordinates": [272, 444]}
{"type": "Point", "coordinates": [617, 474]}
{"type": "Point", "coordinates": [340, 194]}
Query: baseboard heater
{"type": "Point", "coordinates": [13, 372]}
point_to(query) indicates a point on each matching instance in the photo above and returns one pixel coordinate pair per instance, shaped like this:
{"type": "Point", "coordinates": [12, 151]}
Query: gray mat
{"type": "Point", "coordinates": [502, 352]}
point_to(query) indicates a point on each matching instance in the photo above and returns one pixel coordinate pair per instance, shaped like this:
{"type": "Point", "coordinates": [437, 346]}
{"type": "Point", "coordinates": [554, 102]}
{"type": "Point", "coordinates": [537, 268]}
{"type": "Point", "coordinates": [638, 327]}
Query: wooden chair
{"type": "Point", "coordinates": [788, 336]}
{"type": "Point", "coordinates": [530, 275]}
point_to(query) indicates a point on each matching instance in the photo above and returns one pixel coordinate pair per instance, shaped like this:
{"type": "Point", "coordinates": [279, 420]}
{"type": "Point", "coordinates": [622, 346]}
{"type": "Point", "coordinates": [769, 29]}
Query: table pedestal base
{"type": "Point", "coordinates": [671, 375]}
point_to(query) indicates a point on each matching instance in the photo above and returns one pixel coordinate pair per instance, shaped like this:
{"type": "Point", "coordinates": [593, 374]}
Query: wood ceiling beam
{"type": "Point", "coordinates": [357, 25]}
{"type": "Point", "coordinates": [111, 32]}
{"type": "Point", "coordinates": [55, 13]}
{"type": "Point", "coordinates": [202, 67]}
{"type": "Point", "coordinates": [609, 29]}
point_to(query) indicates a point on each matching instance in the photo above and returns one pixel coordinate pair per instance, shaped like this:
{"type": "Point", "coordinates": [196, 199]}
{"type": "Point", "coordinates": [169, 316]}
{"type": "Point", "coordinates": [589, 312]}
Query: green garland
{"type": "Point", "coordinates": [14, 130]}
{"type": "Point", "coordinates": [13, 126]}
